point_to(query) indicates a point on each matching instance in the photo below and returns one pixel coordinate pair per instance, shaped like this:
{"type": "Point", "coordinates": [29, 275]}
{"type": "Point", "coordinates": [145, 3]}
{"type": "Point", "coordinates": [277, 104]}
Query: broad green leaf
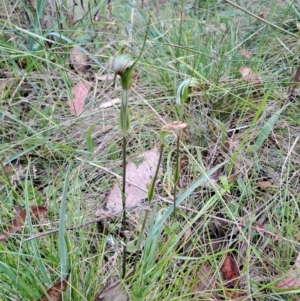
{"type": "Point", "coordinates": [267, 129]}
{"type": "Point", "coordinates": [185, 88]}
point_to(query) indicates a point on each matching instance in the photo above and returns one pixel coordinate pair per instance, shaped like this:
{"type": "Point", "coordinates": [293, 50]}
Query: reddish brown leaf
{"type": "Point", "coordinates": [20, 218]}
{"type": "Point", "coordinates": [230, 271]}
{"type": "Point", "coordinates": [296, 80]}
{"type": "Point", "coordinates": [55, 291]}
{"type": "Point", "coordinates": [80, 93]}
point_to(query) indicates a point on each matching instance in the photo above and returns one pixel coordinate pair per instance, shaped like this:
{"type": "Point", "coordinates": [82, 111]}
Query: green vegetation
{"type": "Point", "coordinates": [228, 71]}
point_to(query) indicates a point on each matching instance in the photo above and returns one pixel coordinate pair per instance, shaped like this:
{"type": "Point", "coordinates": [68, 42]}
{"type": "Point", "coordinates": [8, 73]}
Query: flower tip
{"type": "Point", "coordinates": [121, 63]}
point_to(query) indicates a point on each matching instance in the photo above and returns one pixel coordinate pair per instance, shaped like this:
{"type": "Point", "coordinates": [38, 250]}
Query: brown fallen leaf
{"type": "Point", "coordinates": [141, 176]}
{"type": "Point", "coordinates": [249, 76]}
{"type": "Point", "coordinates": [19, 220]}
{"type": "Point", "coordinates": [230, 271]}
{"type": "Point", "coordinates": [55, 291]}
{"type": "Point", "coordinates": [79, 60]}
{"type": "Point", "coordinates": [232, 178]}
{"type": "Point", "coordinates": [245, 53]}
{"type": "Point", "coordinates": [80, 93]}
{"type": "Point", "coordinates": [292, 278]}
{"type": "Point", "coordinates": [296, 80]}
{"type": "Point", "coordinates": [113, 292]}
{"type": "Point", "coordinates": [207, 281]}
{"type": "Point", "coordinates": [264, 184]}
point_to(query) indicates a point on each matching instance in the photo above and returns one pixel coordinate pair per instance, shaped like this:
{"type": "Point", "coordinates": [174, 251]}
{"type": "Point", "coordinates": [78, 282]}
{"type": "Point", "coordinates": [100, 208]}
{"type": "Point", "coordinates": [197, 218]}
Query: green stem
{"type": "Point", "coordinates": [176, 174]}
{"type": "Point", "coordinates": [124, 207]}
{"type": "Point", "coordinates": [124, 112]}
{"type": "Point", "coordinates": [157, 167]}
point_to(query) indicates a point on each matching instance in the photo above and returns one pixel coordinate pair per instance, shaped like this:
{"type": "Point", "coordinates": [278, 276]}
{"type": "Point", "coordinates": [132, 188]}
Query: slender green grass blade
{"type": "Point", "coordinates": [63, 248]}
{"type": "Point", "coordinates": [89, 140]}
{"type": "Point", "coordinates": [11, 273]}
{"type": "Point", "coordinates": [258, 113]}
{"type": "Point", "coordinates": [20, 154]}
{"type": "Point", "coordinates": [39, 10]}
{"type": "Point", "coordinates": [29, 223]}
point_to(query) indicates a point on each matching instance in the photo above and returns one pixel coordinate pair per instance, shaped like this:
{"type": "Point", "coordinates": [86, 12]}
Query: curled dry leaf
{"type": "Point", "coordinates": [55, 291]}
{"type": "Point", "coordinates": [79, 60]}
{"type": "Point", "coordinates": [292, 278]}
{"type": "Point", "coordinates": [20, 218]}
{"type": "Point", "coordinates": [230, 271]}
{"type": "Point", "coordinates": [140, 176]}
{"type": "Point", "coordinates": [80, 93]}
{"type": "Point", "coordinates": [249, 75]}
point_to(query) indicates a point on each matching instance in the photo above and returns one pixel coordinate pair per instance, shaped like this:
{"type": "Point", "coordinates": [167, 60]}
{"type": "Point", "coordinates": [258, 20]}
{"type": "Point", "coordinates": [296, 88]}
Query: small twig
{"type": "Point", "coordinates": [88, 223]}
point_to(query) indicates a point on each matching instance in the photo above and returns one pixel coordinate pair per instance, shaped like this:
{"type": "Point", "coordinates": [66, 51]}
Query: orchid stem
{"type": "Point", "coordinates": [176, 175]}
{"type": "Point", "coordinates": [124, 121]}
